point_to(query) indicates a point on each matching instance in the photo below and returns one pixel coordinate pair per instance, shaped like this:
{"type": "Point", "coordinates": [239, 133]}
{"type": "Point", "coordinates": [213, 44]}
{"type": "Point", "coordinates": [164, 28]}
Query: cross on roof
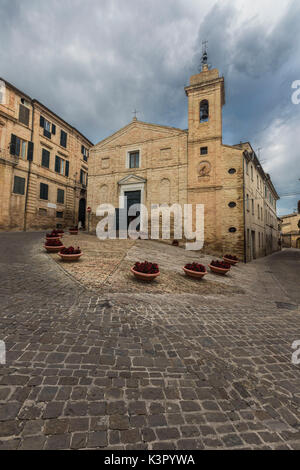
{"type": "Point", "coordinates": [204, 63]}
{"type": "Point", "coordinates": [135, 112]}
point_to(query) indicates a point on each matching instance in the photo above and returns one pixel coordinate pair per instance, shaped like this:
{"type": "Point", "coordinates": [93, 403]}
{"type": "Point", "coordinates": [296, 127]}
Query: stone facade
{"type": "Point", "coordinates": [43, 165]}
{"type": "Point", "coordinates": [291, 230]}
{"type": "Point", "coordinates": [191, 166]}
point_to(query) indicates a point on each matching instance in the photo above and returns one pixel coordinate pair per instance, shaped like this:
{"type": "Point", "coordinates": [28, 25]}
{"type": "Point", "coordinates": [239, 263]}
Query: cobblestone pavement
{"type": "Point", "coordinates": [144, 371]}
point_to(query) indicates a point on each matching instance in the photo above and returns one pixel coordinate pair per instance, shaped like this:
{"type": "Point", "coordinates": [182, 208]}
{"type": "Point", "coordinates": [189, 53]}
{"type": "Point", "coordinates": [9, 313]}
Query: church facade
{"type": "Point", "coordinates": [154, 164]}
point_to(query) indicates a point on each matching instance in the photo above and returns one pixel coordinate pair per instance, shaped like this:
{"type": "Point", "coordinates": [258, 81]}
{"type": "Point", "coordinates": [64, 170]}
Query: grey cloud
{"type": "Point", "coordinates": [94, 61]}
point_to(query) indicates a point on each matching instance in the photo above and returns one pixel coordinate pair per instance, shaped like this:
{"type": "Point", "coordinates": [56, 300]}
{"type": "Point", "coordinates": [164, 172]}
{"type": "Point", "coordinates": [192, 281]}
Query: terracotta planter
{"type": "Point", "coordinates": [143, 276]}
{"type": "Point", "coordinates": [53, 249]}
{"type": "Point", "coordinates": [52, 238]}
{"type": "Point", "coordinates": [230, 261]}
{"type": "Point", "coordinates": [73, 232]}
{"type": "Point", "coordinates": [216, 270]}
{"type": "Point", "coordinates": [196, 274]}
{"type": "Point", "coordinates": [70, 257]}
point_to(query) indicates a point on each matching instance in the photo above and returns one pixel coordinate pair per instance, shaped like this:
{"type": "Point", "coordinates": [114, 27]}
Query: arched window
{"type": "Point", "coordinates": [204, 111]}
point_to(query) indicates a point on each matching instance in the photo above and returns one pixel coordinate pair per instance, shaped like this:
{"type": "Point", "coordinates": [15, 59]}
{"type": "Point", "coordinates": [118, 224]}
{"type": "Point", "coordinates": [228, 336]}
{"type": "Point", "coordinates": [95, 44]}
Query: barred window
{"type": "Point", "coordinates": [45, 158]}
{"type": "Point", "coordinates": [60, 196]}
{"type": "Point", "coordinates": [44, 191]}
{"type": "Point", "coordinates": [19, 185]}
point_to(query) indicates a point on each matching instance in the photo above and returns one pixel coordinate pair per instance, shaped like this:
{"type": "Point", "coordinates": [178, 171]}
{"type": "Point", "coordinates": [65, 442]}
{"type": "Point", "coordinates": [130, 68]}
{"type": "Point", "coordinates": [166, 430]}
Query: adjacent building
{"type": "Point", "coordinates": [43, 165]}
{"type": "Point", "coordinates": [154, 164]}
{"type": "Point", "coordinates": [291, 230]}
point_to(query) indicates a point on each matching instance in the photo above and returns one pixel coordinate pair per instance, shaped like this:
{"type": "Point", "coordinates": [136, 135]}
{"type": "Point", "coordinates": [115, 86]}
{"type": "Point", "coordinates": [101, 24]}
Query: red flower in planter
{"type": "Point", "coordinates": [234, 258]}
{"type": "Point", "coordinates": [146, 267]}
{"type": "Point", "coordinates": [60, 230]}
{"type": "Point", "coordinates": [195, 267]}
{"type": "Point", "coordinates": [220, 264]}
{"type": "Point", "coordinates": [53, 234]}
{"type": "Point", "coordinates": [53, 243]}
{"type": "Point", "coordinates": [70, 251]}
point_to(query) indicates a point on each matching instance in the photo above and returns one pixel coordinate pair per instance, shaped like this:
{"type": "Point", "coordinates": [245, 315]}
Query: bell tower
{"type": "Point", "coordinates": [206, 98]}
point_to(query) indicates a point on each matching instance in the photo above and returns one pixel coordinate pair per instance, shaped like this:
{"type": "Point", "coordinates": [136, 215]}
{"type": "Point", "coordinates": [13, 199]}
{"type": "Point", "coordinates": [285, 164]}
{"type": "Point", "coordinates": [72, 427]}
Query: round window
{"type": "Point", "coordinates": [232, 204]}
{"type": "Point", "coordinates": [232, 229]}
{"type": "Point", "coordinates": [232, 171]}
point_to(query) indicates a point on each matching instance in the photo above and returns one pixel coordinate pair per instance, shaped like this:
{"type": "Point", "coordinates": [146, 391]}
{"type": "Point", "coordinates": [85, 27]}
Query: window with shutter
{"type": "Point", "coordinates": [83, 177]}
{"type": "Point", "coordinates": [43, 191]}
{"type": "Point", "coordinates": [19, 185]}
{"type": "Point", "coordinates": [42, 121]}
{"type": "Point", "coordinates": [30, 151]}
{"type": "Point", "coordinates": [57, 164]}
{"type": "Point", "coordinates": [61, 166]}
{"type": "Point", "coordinates": [45, 158]}
{"type": "Point", "coordinates": [60, 196]}
{"type": "Point", "coordinates": [24, 114]}
{"type": "Point", "coordinates": [67, 168]}
{"type": "Point", "coordinates": [84, 152]}
{"type": "Point", "coordinates": [13, 142]}
{"type": "Point", "coordinates": [63, 139]}
{"type": "Point", "coordinates": [53, 129]}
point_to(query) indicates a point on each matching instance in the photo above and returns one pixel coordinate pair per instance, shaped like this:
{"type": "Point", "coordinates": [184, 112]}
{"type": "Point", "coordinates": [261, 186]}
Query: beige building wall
{"type": "Point", "coordinates": [291, 230]}
{"type": "Point", "coordinates": [190, 166]}
{"type": "Point", "coordinates": [161, 175]}
{"type": "Point", "coordinates": [261, 222]}
{"type": "Point", "coordinates": [28, 210]}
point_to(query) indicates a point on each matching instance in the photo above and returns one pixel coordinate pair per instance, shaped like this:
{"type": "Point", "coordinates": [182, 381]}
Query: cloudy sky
{"type": "Point", "coordinates": [94, 61]}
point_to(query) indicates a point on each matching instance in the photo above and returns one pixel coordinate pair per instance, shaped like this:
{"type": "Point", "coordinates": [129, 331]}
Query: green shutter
{"type": "Point", "coordinates": [57, 164]}
{"type": "Point", "coordinates": [30, 151]}
{"type": "Point", "coordinates": [18, 147]}
{"type": "Point", "coordinates": [13, 141]}
{"type": "Point", "coordinates": [67, 168]}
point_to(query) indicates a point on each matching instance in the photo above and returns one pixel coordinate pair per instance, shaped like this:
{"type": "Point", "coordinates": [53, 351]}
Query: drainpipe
{"type": "Point", "coordinates": [28, 176]}
{"type": "Point", "coordinates": [244, 212]}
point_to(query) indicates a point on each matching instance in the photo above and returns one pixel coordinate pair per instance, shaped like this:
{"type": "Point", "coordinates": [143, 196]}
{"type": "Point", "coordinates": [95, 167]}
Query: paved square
{"type": "Point", "coordinates": [116, 368]}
